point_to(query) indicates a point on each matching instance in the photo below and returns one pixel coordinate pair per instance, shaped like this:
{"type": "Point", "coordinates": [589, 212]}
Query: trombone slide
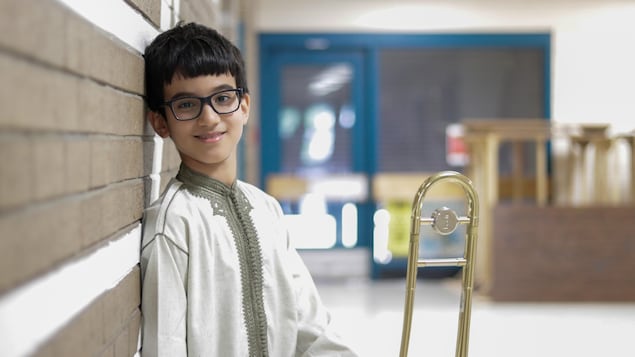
{"type": "Point", "coordinates": [444, 221]}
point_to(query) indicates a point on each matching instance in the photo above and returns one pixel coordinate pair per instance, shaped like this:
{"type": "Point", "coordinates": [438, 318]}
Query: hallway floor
{"type": "Point", "coordinates": [369, 314]}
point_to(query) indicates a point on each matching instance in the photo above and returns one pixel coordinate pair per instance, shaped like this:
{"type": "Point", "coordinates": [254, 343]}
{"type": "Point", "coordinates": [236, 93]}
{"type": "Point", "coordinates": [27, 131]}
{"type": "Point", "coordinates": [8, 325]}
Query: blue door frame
{"type": "Point", "coordinates": [270, 85]}
{"type": "Point", "coordinates": [362, 132]}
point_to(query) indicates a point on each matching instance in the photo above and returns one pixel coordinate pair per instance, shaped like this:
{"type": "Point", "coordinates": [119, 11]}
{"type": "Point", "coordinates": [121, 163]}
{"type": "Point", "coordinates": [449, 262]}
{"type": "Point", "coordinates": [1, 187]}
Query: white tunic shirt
{"type": "Point", "coordinates": [220, 278]}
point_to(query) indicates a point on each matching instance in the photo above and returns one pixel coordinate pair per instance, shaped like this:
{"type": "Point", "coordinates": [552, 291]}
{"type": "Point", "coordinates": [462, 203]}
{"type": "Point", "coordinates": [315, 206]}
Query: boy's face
{"type": "Point", "coordinates": [208, 143]}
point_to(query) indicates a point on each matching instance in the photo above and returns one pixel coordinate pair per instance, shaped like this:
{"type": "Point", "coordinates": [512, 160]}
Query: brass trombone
{"type": "Point", "coordinates": [444, 221]}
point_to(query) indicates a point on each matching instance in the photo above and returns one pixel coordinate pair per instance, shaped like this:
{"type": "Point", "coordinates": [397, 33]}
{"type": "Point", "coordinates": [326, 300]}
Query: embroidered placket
{"type": "Point", "coordinates": [232, 204]}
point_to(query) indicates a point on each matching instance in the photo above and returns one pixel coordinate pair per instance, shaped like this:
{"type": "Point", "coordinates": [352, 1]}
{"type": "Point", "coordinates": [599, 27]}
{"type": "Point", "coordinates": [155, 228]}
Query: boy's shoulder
{"type": "Point", "coordinates": [164, 216]}
{"type": "Point", "coordinates": [168, 201]}
{"type": "Point", "coordinates": [168, 193]}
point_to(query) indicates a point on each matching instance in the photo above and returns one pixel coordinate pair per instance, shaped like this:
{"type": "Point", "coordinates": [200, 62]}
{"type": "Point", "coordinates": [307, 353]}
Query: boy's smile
{"type": "Point", "coordinates": [206, 144]}
{"type": "Point", "coordinates": [211, 137]}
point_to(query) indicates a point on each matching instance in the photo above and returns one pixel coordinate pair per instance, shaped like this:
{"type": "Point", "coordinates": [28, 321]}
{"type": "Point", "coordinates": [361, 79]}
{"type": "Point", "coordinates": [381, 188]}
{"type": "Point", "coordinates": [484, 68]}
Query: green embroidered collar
{"type": "Point", "coordinates": [196, 180]}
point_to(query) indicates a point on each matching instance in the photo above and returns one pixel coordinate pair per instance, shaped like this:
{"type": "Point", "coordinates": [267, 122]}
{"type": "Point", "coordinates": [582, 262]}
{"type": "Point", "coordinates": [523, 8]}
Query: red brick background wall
{"type": "Point", "coordinates": [563, 253]}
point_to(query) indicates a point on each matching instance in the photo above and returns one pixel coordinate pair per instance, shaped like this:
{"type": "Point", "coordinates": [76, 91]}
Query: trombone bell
{"type": "Point", "coordinates": [444, 221]}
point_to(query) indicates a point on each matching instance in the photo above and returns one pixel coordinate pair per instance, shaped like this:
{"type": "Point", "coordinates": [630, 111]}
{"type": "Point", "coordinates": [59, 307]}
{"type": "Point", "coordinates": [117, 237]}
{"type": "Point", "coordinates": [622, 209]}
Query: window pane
{"type": "Point", "coordinates": [316, 119]}
{"type": "Point", "coordinates": [422, 91]}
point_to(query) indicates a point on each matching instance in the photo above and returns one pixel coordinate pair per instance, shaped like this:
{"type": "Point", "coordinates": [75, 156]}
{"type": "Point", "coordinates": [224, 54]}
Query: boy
{"type": "Point", "coordinates": [219, 276]}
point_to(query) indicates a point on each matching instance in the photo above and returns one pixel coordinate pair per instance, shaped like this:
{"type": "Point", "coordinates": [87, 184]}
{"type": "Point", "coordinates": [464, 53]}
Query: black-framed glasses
{"type": "Point", "coordinates": [224, 102]}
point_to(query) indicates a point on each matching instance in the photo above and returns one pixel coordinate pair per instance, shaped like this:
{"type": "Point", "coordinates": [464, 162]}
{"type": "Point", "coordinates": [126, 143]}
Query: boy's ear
{"type": "Point", "coordinates": [244, 107]}
{"type": "Point", "coordinates": [159, 123]}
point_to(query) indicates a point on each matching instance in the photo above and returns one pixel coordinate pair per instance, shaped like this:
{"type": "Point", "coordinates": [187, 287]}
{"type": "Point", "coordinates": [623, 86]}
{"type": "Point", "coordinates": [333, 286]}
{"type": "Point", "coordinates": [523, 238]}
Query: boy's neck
{"type": "Point", "coordinates": [225, 174]}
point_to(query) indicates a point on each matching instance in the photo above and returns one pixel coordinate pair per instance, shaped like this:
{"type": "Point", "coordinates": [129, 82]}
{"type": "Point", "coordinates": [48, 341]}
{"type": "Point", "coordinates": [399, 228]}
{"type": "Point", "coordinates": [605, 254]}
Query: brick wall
{"type": "Point", "coordinates": [563, 253]}
{"type": "Point", "coordinates": [78, 163]}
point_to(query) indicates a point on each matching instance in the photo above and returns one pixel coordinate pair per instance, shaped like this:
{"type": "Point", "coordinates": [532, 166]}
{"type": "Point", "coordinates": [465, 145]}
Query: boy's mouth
{"type": "Point", "coordinates": [210, 137]}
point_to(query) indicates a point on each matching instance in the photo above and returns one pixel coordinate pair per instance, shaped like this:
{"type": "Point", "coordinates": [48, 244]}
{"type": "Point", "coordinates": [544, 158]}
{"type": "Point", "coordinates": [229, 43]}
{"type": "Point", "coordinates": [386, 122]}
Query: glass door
{"type": "Point", "coordinates": [314, 147]}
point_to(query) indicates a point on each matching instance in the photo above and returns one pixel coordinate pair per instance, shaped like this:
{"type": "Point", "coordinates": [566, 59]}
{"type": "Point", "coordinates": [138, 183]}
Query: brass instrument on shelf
{"type": "Point", "coordinates": [444, 221]}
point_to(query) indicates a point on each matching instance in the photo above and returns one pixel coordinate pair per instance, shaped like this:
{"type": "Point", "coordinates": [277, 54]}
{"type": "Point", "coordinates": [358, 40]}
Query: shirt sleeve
{"type": "Point", "coordinates": [164, 298]}
{"type": "Point", "coordinates": [316, 335]}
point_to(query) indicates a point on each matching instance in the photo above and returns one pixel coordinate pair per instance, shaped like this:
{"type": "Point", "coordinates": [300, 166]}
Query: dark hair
{"type": "Point", "coordinates": [191, 50]}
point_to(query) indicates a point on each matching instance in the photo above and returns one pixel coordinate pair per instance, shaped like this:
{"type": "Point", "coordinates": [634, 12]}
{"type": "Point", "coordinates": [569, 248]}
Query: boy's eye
{"type": "Point", "coordinates": [186, 103]}
{"type": "Point", "coordinates": [224, 98]}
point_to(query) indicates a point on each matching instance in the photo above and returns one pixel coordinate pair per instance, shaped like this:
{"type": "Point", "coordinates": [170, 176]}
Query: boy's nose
{"type": "Point", "coordinates": [208, 116]}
